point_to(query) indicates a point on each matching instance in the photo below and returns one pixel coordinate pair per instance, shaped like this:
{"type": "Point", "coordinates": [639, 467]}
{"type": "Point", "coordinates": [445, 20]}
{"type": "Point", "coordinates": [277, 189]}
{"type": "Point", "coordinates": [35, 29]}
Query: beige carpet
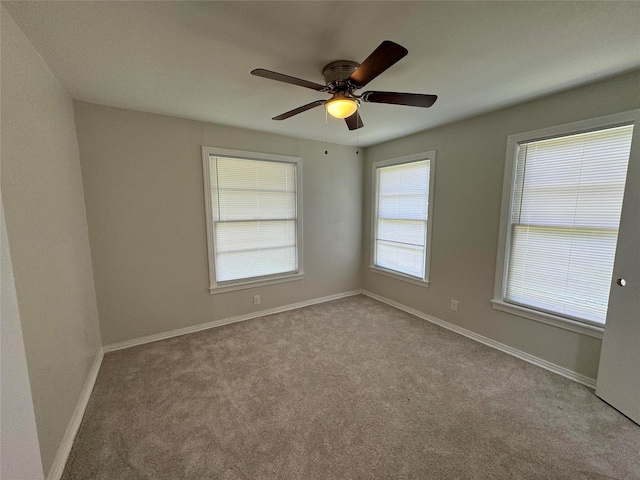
{"type": "Point", "coordinates": [350, 389]}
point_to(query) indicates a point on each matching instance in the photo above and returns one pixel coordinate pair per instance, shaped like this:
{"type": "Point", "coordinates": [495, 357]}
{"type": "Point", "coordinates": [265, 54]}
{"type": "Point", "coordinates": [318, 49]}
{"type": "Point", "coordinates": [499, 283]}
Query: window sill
{"type": "Point", "coordinates": [255, 283]}
{"type": "Point", "coordinates": [399, 276]}
{"type": "Point", "coordinates": [556, 321]}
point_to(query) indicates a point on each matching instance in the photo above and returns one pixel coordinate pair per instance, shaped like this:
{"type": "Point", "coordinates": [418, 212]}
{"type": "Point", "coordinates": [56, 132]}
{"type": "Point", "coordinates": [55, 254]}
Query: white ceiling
{"type": "Point", "coordinates": [192, 59]}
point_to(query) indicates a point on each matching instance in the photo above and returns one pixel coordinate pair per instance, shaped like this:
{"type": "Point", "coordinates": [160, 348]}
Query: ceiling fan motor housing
{"type": "Point", "coordinates": [336, 73]}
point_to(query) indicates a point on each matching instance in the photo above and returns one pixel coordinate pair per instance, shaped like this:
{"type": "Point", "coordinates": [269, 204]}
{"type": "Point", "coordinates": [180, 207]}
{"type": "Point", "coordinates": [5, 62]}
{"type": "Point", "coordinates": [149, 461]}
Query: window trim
{"type": "Point", "coordinates": [504, 239]}
{"type": "Point", "coordinates": [229, 286]}
{"type": "Point", "coordinates": [431, 156]}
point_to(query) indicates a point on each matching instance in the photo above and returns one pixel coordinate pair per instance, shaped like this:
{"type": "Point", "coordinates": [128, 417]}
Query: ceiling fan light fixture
{"type": "Point", "coordinates": [341, 107]}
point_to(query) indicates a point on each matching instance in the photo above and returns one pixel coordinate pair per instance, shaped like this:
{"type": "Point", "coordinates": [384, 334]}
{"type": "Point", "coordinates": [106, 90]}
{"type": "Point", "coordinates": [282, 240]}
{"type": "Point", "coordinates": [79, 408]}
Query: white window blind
{"type": "Point", "coordinates": [254, 213]}
{"type": "Point", "coordinates": [564, 223]}
{"type": "Point", "coordinates": [402, 205]}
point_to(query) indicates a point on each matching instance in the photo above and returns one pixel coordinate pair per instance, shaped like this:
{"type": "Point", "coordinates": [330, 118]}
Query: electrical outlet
{"type": "Point", "coordinates": [256, 299]}
{"type": "Point", "coordinates": [454, 305]}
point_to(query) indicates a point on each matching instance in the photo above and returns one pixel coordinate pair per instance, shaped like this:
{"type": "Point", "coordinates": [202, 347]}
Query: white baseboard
{"type": "Point", "coordinates": [225, 321]}
{"type": "Point", "coordinates": [552, 367]}
{"type": "Point", "coordinates": [55, 472]}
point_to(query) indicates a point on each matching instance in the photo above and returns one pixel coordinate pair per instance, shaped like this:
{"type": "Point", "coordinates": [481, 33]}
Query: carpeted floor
{"type": "Point", "coordinates": [350, 389]}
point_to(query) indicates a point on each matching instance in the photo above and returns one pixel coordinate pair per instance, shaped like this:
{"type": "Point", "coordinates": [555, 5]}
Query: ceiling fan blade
{"type": "Point", "coordinates": [261, 72]}
{"type": "Point", "coordinates": [298, 110]}
{"type": "Point", "coordinates": [354, 122]}
{"type": "Point", "coordinates": [382, 58]}
{"type": "Point", "coordinates": [410, 99]}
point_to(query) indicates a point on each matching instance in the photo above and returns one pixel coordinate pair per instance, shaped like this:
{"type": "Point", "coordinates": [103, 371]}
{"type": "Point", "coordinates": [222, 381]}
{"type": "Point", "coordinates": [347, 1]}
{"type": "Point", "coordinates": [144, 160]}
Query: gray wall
{"type": "Point", "coordinates": [19, 448]}
{"type": "Point", "coordinates": [468, 191]}
{"type": "Point", "coordinates": [145, 207]}
{"type": "Point", "coordinates": [47, 235]}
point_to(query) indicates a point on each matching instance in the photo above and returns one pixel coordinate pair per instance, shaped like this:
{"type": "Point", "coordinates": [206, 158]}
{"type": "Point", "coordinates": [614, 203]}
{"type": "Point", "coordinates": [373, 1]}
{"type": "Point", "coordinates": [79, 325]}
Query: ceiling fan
{"type": "Point", "coordinates": [344, 77]}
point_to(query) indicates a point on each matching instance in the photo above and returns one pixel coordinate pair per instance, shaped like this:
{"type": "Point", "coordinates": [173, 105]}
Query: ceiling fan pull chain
{"type": "Point", "coordinates": [326, 121]}
{"type": "Point", "coordinates": [357, 140]}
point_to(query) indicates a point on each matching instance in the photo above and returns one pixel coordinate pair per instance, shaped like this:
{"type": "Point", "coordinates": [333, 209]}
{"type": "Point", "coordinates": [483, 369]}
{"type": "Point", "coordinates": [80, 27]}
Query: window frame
{"type": "Point", "coordinates": [216, 287]}
{"type": "Point", "coordinates": [422, 156]}
{"type": "Point", "coordinates": [504, 240]}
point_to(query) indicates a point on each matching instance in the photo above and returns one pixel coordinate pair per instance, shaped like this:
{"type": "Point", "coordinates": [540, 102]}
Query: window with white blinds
{"type": "Point", "coordinates": [253, 213]}
{"type": "Point", "coordinates": [401, 230]}
{"type": "Point", "coordinates": [563, 228]}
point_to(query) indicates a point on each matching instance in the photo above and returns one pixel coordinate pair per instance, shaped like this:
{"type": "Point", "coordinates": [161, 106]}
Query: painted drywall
{"type": "Point", "coordinates": [144, 196]}
{"type": "Point", "coordinates": [19, 448]}
{"type": "Point", "coordinates": [47, 233]}
{"type": "Point", "coordinates": [468, 192]}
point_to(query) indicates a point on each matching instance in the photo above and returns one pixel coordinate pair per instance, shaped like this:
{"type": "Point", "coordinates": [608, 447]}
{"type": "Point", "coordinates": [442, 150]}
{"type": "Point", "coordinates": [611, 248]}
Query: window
{"type": "Point", "coordinates": [559, 229]}
{"type": "Point", "coordinates": [254, 224]}
{"type": "Point", "coordinates": [403, 206]}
